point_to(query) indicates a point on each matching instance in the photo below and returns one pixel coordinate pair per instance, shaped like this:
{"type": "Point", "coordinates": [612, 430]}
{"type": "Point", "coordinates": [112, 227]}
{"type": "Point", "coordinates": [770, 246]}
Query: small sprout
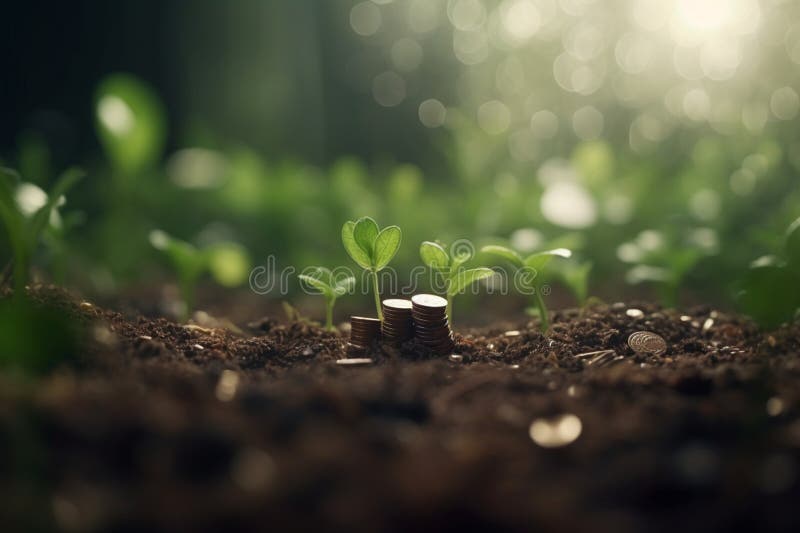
{"type": "Point", "coordinates": [330, 286]}
{"type": "Point", "coordinates": [371, 248]}
{"type": "Point", "coordinates": [130, 123]}
{"type": "Point", "coordinates": [770, 290]}
{"type": "Point", "coordinates": [531, 266]}
{"type": "Point", "coordinates": [575, 276]}
{"type": "Point", "coordinates": [26, 212]}
{"type": "Point", "coordinates": [227, 262]}
{"type": "Point", "coordinates": [456, 278]}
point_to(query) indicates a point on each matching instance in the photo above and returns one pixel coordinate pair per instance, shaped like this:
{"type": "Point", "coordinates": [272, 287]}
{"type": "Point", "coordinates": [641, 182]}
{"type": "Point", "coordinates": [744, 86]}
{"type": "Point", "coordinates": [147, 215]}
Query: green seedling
{"type": "Point", "coordinates": [532, 267]}
{"type": "Point", "coordinates": [227, 262]}
{"type": "Point", "coordinates": [330, 286]}
{"type": "Point", "coordinates": [770, 290]}
{"type": "Point", "coordinates": [27, 219]}
{"type": "Point", "coordinates": [575, 275]}
{"type": "Point", "coordinates": [371, 248]}
{"type": "Point", "coordinates": [456, 278]}
{"type": "Point", "coordinates": [662, 260]}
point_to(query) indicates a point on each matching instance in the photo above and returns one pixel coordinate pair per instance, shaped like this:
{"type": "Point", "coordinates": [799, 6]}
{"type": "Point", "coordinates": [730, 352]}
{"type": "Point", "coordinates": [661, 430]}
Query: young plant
{"type": "Point", "coordinates": [770, 290]}
{"type": "Point", "coordinates": [26, 221]}
{"type": "Point", "coordinates": [371, 248]}
{"type": "Point", "coordinates": [456, 278]}
{"type": "Point", "coordinates": [330, 286]}
{"type": "Point", "coordinates": [227, 262]}
{"type": "Point", "coordinates": [532, 265]}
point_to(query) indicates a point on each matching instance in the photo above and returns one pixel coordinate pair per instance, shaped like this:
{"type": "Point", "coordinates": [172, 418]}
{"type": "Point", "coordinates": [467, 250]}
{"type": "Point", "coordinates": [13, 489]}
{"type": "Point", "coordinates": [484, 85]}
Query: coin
{"type": "Point", "coordinates": [428, 301]}
{"type": "Point", "coordinates": [364, 330]}
{"type": "Point", "coordinates": [397, 304]}
{"type": "Point", "coordinates": [398, 324]}
{"type": "Point", "coordinates": [647, 342]}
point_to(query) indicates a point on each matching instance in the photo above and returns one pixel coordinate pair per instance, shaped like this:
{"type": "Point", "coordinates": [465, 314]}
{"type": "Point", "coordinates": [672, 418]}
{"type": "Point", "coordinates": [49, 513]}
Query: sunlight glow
{"type": "Point", "coordinates": [116, 115]}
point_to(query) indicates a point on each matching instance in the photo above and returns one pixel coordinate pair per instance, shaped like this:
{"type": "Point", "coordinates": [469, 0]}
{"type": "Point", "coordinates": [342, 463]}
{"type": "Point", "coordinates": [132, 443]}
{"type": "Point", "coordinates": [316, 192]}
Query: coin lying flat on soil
{"type": "Point", "coordinates": [647, 342]}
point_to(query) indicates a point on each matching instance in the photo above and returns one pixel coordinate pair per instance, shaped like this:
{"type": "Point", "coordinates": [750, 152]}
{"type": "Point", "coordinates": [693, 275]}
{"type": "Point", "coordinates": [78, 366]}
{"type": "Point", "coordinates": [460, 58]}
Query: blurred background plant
{"type": "Point", "coordinates": [661, 134]}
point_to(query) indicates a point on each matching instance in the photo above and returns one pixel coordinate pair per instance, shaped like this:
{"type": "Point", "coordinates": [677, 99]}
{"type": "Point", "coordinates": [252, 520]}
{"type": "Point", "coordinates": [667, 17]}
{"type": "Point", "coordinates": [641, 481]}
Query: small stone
{"type": "Point", "coordinates": [146, 337]}
{"type": "Point", "coordinates": [198, 347]}
{"type": "Point", "coordinates": [227, 385]}
{"type": "Point", "coordinates": [774, 406]}
{"type": "Point", "coordinates": [514, 367]}
{"type": "Point", "coordinates": [635, 313]}
{"type": "Point", "coordinates": [456, 358]}
{"type": "Point", "coordinates": [708, 324]}
{"type": "Point", "coordinates": [354, 361]}
{"type": "Point", "coordinates": [686, 318]}
{"type": "Point", "coordinates": [555, 432]}
{"type": "Point", "coordinates": [512, 333]}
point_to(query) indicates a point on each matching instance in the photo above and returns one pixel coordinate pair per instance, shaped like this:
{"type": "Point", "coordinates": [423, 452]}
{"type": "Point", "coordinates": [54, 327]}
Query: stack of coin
{"type": "Point", "coordinates": [363, 332]}
{"type": "Point", "coordinates": [431, 326]}
{"type": "Point", "coordinates": [397, 323]}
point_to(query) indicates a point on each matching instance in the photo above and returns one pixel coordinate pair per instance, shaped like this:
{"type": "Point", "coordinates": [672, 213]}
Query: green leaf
{"type": "Point", "coordinates": [793, 244]}
{"type": "Point", "coordinates": [771, 295]}
{"type": "Point", "coordinates": [505, 253]}
{"type": "Point", "coordinates": [229, 263]}
{"type": "Point", "coordinates": [540, 259]}
{"type": "Point", "coordinates": [9, 212]}
{"type": "Point", "coordinates": [365, 232]}
{"type": "Point", "coordinates": [386, 245]}
{"type": "Point", "coordinates": [318, 284]}
{"type": "Point", "coordinates": [355, 252]}
{"type": "Point", "coordinates": [576, 277]}
{"type": "Point", "coordinates": [344, 285]}
{"type": "Point", "coordinates": [433, 255]}
{"type": "Point", "coordinates": [130, 122]}
{"type": "Point", "coordinates": [465, 278]}
{"type": "Point", "coordinates": [65, 182]}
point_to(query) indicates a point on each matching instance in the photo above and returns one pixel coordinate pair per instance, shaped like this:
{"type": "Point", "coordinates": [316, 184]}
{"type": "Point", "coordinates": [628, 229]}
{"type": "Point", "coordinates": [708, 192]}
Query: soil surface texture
{"type": "Point", "coordinates": [160, 426]}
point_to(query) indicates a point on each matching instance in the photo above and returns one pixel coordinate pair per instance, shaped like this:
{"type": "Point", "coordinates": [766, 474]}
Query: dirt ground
{"type": "Point", "coordinates": [167, 427]}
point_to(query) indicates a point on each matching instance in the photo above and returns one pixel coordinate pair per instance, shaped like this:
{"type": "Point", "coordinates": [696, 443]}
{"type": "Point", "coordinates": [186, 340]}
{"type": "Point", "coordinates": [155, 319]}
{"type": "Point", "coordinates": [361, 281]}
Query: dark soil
{"type": "Point", "coordinates": [147, 432]}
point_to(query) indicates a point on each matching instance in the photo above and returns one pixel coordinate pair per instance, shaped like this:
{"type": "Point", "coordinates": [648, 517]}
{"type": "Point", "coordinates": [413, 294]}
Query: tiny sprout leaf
{"type": "Point", "coordinates": [365, 232]}
{"type": "Point", "coordinates": [540, 259]}
{"type": "Point", "coordinates": [386, 245]}
{"type": "Point", "coordinates": [506, 253]}
{"type": "Point", "coordinates": [317, 284]}
{"type": "Point", "coordinates": [344, 285]}
{"type": "Point", "coordinates": [356, 253]}
{"type": "Point", "coordinates": [433, 255]}
{"type": "Point", "coordinates": [65, 182]}
{"type": "Point", "coordinates": [793, 244]}
{"type": "Point", "coordinates": [465, 278]}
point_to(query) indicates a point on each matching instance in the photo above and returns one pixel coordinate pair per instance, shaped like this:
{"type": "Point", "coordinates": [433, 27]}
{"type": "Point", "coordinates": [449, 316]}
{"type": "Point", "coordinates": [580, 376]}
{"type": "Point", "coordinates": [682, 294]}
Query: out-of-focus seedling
{"type": "Point", "coordinates": [371, 248]}
{"type": "Point", "coordinates": [665, 261]}
{"type": "Point", "coordinates": [227, 262]}
{"type": "Point", "coordinates": [529, 272]}
{"type": "Point", "coordinates": [26, 216]}
{"type": "Point", "coordinates": [770, 290]}
{"type": "Point", "coordinates": [330, 287]}
{"type": "Point", "coordinates": [575, 275]}
{"type": "Point", "coordinates": [456, 278]}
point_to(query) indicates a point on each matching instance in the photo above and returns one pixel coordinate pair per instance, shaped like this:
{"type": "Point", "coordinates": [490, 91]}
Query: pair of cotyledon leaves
{"type": "Point", "coordinates": [437, 258]}
{"type": "Point", "coordinates": [327, 283]}
{"type": "Point", "coordinates": [369, 246]}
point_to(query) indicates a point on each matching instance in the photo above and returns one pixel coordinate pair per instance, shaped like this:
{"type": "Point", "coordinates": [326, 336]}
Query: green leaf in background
{"type": "Point", "coordinates": [793, 244]}
{"type": "Point", "coordinates": [229, 263]}
{"type": "Point", "coordinates": [505, 253]}
{"type": "Point", "coordinates": [386, 245]}
{"type": "Point", "coordinates": [130, 123]}
{"type": "Point", "coordinates": [770, 294]}
{"type": "Point", "coordinates": [433, 255]}
{"type": "Point", "coordinates": [540, 259]}
{"type": "Point", "coordinates": [365, 232]}
{"type": "Point", "coordinates": [344, 285]}
{"type": "Point", "coordinates": [356, 253]}
{"type": "Point", "coordinates": [65, 182]}
{"type": "Point", "coordinates": [576, 278]}
{"type": "Point", "coordinates": [465, 278]}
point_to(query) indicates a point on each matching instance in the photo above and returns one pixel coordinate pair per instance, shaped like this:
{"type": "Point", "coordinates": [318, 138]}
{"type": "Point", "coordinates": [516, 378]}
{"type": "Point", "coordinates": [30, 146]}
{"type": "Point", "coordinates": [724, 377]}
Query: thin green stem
{"type": "Point", "coordinates": [377, 296]}
{"type": "Point", "coordinates": [329, 313]}
{"type": "Point", "coordinates": [543, 318]}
